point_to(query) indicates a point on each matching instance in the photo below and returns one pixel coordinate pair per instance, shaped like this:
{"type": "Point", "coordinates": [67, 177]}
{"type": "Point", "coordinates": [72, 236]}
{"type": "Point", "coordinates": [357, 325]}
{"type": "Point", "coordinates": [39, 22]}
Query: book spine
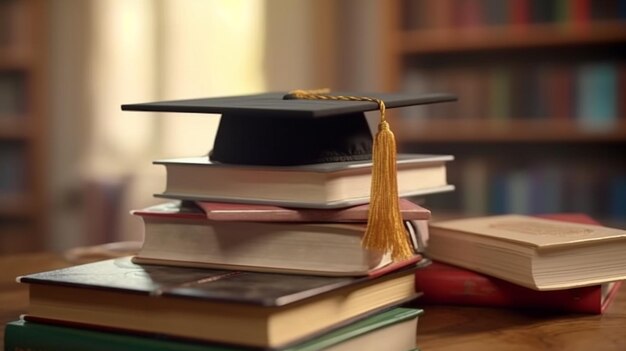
{"type": "Point", "coordinates": [597, 96]}
{"type": "Point", "coordinates": [21, 335]}
{"type": "Point", "coordinates": [580, 13]}
{"type": "Point", "coordinates": [467, 288]}
{"type": "Point", "coordinates": [520, 12]}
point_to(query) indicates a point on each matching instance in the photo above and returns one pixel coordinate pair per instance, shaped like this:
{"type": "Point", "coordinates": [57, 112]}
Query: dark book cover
{"type": "Point", "coordinates": [265, 289]}
{"type": "Point", "coordinates": [227, 307]}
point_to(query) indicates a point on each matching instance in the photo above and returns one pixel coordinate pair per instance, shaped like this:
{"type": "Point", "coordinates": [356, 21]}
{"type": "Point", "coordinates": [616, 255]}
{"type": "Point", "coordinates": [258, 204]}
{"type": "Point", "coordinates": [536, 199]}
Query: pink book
{"type": "Point", "coordinates": [218, 211]}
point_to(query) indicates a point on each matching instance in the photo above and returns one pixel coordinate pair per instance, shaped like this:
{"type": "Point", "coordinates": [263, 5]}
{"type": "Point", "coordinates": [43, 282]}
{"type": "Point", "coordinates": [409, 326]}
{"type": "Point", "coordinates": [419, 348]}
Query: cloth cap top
{"type": "Point", "coordinates": [270, 129]}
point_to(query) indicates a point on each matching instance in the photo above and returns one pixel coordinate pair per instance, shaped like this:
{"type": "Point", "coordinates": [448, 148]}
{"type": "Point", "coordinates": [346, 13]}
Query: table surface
{"type": "Point", "coordinates": [441, 327]}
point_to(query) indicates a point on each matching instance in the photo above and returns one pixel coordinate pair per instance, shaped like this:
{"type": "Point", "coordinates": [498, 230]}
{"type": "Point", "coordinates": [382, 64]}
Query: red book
{"type": "Point", "coordinates": [520, 12]}
{"type": "Point", "coordinates": [580, 10]}
{"type": "Point", "coordinates": [562, 93]}
{"type": "Point", "coordinates": [449, 285]}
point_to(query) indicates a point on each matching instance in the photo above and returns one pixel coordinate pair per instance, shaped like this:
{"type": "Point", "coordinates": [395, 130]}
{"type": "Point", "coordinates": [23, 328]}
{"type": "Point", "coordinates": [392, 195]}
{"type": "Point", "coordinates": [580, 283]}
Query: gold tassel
{"type": "Point", "coordinates": [385, 230]}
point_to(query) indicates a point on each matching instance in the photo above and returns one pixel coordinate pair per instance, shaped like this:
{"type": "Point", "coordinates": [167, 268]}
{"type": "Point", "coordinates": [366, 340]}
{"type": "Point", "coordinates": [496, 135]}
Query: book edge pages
{"type": "Point", "coordinates": [286, 203]}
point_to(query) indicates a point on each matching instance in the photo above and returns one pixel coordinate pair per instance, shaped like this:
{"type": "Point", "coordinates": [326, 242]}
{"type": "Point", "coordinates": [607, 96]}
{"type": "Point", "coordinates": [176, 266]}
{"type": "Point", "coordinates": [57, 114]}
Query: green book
{"type": "Point", "coordinates": [390, 330]}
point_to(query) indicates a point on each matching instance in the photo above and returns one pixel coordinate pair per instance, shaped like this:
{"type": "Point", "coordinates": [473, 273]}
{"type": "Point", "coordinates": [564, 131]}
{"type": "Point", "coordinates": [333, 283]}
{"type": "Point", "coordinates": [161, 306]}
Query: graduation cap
{"type": "Point", "coordinates": [313, 126]}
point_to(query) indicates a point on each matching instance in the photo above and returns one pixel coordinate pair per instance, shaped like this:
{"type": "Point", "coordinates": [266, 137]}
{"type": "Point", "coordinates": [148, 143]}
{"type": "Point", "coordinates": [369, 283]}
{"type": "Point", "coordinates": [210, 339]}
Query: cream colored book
{"type": "Point", "coordinates": [321, 185]}
{"type": "Point", "coordinates": [541, 254]}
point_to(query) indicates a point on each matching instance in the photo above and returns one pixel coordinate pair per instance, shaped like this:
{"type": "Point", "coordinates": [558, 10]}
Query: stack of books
{"type": "Point", "coordinates": [559, 262]}
{"type": "Point", "coordinates": [245, 257]}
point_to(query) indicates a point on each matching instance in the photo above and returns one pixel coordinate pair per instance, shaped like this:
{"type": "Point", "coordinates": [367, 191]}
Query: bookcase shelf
{"type": "Point", "coordinates": [541, 117]}
{"type": "Point", "coordinates": [11, 129]}
{"type": "Point", "coordinates": [508, 131]}
{"type": "Point", "coordinates": [15, 207]}
{"type": "Point", "coordinates": [442, 41]}
{"type": "Point", "coordinates": [23, 30]}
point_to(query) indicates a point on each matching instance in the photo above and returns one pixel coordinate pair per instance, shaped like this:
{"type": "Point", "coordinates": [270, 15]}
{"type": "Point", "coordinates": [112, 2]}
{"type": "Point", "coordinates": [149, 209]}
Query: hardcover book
{"type": "Point", "coordinates": [233, 307]}
{"type": "Point", "coordinates": [444, 284]}
{"type": "Point", "coordinates": [320, 185]}
{"type": "Point", "coordinates": [223, 211]}
{"type": "Point", "coordinates": [538, 253]}
{"type": "Point", "coordinates": [183, 236]}
{"type": "Point", "coordinates": [392, 330]}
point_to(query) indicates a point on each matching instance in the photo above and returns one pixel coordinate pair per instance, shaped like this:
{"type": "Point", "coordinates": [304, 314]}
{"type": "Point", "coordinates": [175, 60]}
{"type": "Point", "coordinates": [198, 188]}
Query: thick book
{"type": "Point", "coordinates": [176, 234]}
{"type": "Point", "coordinates": [232, 307]}
{"type": "Point", "coordinates": [538, 253]}
{"type": "Point", "coordinates": [443, 284]}
{"type": "Point", "coordinates": [322, 185]}
{"type": "Point", "coordinates": [392, 330]}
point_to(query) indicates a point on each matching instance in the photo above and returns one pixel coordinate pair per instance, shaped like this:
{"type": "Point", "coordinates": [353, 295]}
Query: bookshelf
{"type": "Point", "coordinates": [541, 119]}
{"type": "Point", "coordinates": [22, 125]}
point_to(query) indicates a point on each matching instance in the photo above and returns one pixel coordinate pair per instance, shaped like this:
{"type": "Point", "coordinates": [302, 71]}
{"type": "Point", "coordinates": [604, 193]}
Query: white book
{"type": "Point", "coordinates": [325, 185]}
{"type": "Point", "coordinates": [537, 253]}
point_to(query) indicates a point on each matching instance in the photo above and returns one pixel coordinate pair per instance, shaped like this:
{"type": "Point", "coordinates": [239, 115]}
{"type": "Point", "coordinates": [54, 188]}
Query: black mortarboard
{"type": "Point", "coordinates": [267, 129]}
{"type": "Point", "coordinates": [305, 127]}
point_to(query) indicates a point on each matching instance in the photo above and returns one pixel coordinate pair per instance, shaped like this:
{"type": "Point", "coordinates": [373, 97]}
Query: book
{"type": "Point", "coordinates": [231, 307]}
{"type": "Point", "coordinates": [321, 185]}
{"type": "Point", "coordinates": [596, 109]}
{"type": "Point", "coordinates": [224, 211]}
{"type": "Point", "coordinates": [538, 253]}
{"type": "Point", "coordinates": [443, 284]}
{"type": "Point", "coordinates": [183, 236]}
{"type": "Point", "coordinates": [392, 330]}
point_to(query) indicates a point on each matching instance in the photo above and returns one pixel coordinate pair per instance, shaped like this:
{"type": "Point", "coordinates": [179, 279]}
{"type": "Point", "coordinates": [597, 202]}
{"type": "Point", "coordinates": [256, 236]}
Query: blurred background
{"type": "Point", "coordinates": [539, 127]}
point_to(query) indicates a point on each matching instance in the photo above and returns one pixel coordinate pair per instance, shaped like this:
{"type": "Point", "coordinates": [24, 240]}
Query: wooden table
{"type": "Point", "coordinates": [441, 328]}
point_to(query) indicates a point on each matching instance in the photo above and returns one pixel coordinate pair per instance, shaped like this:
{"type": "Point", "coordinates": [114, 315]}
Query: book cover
{"type": "Point", "coordinates": [223, 211]}
{"type": "Point", "coordinates": [395, 327]}
{"type": "Point", "coordinates": [533, 232]}
{"type": "Point", "coordinates": [181, 235]}
{"type": "Point", "coordinates": [211, 305]}
{"type": "Point", "coordinates": [444, 284]}
{"type": "Point", "coordinates": [541, 254]}
{"type": "Point", "coordinates": [323, 185]}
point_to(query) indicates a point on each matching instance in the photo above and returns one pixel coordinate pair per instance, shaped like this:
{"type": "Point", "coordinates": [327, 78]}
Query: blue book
{"type": "Point", "coordinates": [597, 97]}
{"type": "Point", "coordinates": [498, 194]}
{"type": "Point", "coordinates": [618, 198]}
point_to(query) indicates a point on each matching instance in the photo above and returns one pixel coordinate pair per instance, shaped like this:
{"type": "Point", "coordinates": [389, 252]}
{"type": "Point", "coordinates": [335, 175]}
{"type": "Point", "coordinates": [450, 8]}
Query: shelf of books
{"type": "Point", "coordinates": [509, 131]}
{"type": "Point", "coordinates": [21, 125]}
{"type": "Point", "coordinates": [532, 77]}
{"type": "Point", "coordinates": [479, 37]}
